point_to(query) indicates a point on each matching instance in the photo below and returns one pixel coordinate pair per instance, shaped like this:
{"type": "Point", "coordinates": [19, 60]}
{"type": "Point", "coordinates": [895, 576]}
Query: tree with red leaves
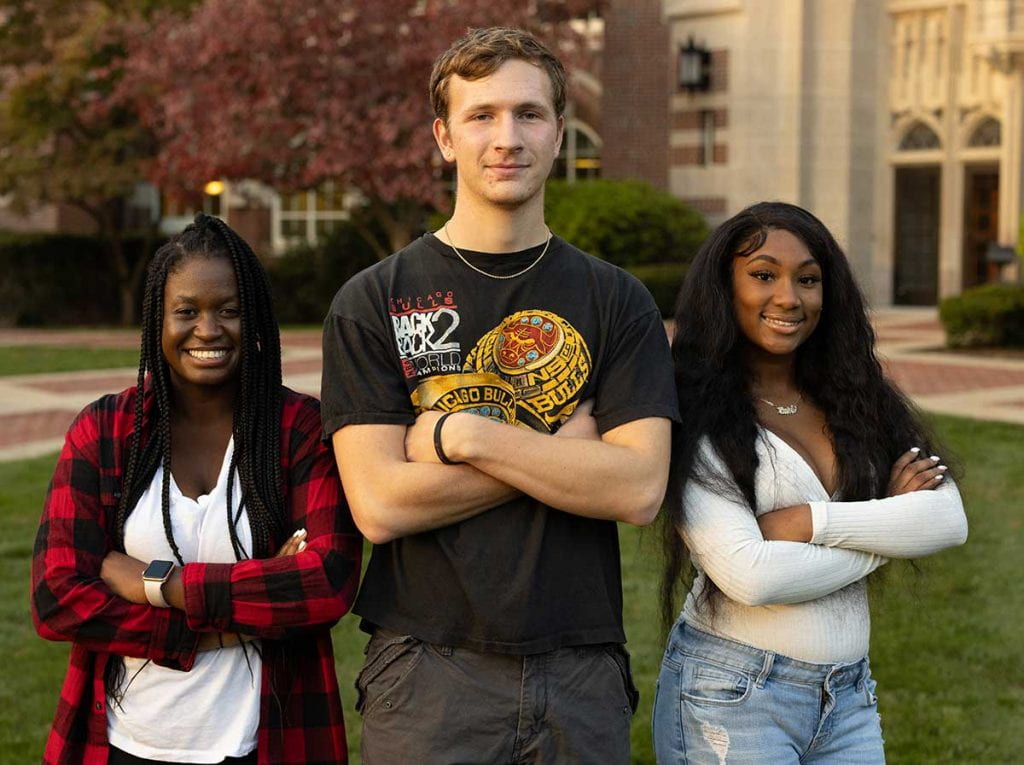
{"type": "Point", "coordinates": [293, 93]}
{"type": "Point", "coordinates": [64, 138]}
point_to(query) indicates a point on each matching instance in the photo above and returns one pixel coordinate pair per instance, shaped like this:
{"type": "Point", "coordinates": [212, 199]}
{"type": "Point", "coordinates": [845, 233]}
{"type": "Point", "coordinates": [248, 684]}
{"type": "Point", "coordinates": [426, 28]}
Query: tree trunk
{"type": "Point", "coordinates": [394, 225]}
{"type": "Point", "coordinates": [370, 238]}
{"type": "Point", "coordinates": [399, 221]}
{"type": "Point", "coordinates": [110, 234]}
{"type": "Point", "coordinates": [139, 268]}
{"type": "Point", "coordinates": [119, 260]}
{"type": "Point", "coordinates": [400, 233]}
{"type": "Point", "coordinates": [108, 221]}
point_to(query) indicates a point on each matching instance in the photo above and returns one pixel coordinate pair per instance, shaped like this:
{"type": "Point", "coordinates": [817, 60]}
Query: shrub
{"type": "Point", "coordinates": [627, 223]}
{"type": "Point", "coordinates": [663, 281]}
{"type": "Point", "coordinates": [306, 277]}
{"type": "Point", "coordinates": [64, 279]}
{"type": "Point", "coordinates": [48, 279]}
{"type": "Point", "coordinates": [651, 234]}
{"type": "Point", "coordinates": [989, 315]}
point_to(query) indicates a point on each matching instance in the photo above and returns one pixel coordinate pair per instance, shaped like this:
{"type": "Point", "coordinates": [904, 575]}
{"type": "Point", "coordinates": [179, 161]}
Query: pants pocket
{"type": "Point", "coordinates": [619, 657]}
{"type": "Point", "coordinates": [704, 682]}
{"type": "Point", "coordinates": [389, 660]}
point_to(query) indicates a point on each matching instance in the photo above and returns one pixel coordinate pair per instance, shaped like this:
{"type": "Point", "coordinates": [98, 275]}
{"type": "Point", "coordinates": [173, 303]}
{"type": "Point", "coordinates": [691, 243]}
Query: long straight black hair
{"type": "Point", "coordinates": [870, 421]}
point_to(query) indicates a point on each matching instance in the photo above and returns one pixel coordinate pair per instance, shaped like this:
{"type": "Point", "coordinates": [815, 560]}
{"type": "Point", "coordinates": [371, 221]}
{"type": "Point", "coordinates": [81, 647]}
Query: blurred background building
{"type": "Point", "coordinates": [898, 122]}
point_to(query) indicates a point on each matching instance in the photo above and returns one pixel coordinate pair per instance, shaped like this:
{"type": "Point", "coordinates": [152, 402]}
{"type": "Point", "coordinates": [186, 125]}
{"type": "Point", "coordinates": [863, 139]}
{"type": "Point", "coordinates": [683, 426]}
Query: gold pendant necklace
{"type": "Point", "coordinates": [784, 409]}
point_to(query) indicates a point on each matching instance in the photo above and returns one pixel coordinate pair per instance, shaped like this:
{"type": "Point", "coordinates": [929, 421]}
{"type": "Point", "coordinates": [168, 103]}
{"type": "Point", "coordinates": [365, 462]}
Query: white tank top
{"type": "Point", "coordinates": [211, 712]}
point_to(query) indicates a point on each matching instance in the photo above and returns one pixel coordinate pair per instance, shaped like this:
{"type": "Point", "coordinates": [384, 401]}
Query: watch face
{"type": "Point", "coordinates": [158, 570]}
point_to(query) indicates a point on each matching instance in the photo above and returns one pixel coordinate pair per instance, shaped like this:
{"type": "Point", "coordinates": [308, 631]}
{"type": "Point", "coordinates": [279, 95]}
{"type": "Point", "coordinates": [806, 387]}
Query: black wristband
{"type": "Point", "coordinates": [437, 439]}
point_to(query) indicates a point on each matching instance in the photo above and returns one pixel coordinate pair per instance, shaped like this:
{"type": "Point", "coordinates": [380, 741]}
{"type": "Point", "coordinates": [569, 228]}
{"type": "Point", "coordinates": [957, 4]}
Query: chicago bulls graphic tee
{"type": "Point", "coordinates": [420, 330]}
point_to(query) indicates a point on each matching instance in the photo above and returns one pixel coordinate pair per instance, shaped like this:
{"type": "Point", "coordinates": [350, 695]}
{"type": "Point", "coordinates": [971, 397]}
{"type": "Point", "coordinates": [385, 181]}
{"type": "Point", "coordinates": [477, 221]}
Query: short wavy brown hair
{"type": "Point", "coordinates": [481, 52]}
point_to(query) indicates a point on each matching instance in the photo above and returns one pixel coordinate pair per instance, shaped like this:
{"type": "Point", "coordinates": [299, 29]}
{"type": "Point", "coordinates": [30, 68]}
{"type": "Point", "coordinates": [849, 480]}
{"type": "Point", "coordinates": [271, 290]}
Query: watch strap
{"type": "Point", "coordinates": [154, 590]}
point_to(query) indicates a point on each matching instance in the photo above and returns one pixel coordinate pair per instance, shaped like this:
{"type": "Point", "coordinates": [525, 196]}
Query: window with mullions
{"type": "Point", "coordinates": [580, 157]}
{"type": "Point", "coordinates": [307, 216]}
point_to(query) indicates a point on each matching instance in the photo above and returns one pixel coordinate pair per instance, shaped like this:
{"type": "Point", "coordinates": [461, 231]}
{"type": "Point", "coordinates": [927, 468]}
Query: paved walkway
{"type": "Point", "coordinates": [35, 410]}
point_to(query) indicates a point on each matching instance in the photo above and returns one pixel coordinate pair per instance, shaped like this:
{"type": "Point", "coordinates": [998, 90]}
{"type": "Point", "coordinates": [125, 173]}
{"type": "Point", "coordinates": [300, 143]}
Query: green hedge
{"type": "Point", "coordinates": [627, 223]}
{"type": "Point", "coordinates": [989, 315]}
{"type": "Point", "coordinates": [58, 279]}
{"type": "Point", "coordinates": [663, 280]}
{"type": "Point", "coordinates": [48, 279]}
{"type": "Point", "coordinates": [305, 278]}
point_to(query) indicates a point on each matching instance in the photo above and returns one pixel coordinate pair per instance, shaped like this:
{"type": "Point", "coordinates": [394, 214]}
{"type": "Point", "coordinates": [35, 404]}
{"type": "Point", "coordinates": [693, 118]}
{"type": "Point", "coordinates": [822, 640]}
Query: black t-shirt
{"type": "Point", "coordinates": [421, 330]}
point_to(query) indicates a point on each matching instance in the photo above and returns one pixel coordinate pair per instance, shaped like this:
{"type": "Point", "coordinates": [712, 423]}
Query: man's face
{"type": "Point", "coordinates": [502, 134]}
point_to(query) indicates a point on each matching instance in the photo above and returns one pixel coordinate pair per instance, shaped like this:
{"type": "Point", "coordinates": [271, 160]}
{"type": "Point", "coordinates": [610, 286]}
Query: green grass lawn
{"type": "Point", "coordinates": [947, 646]}
{"type": "Point", "coordinates": [30, 359]}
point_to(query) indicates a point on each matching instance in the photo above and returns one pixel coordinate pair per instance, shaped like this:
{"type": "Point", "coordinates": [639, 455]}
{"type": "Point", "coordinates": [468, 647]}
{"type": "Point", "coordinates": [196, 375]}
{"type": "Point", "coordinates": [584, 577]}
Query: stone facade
{"type": "Point", "coordinates": [897, 122]}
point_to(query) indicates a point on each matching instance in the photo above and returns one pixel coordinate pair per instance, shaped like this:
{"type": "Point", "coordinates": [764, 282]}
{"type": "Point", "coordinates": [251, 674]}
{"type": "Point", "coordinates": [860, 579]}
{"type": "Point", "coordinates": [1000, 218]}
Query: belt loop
{"type": "Point", "coordinates": [766, 669]}
{"type": "Point", "coordinates": [862, 674]}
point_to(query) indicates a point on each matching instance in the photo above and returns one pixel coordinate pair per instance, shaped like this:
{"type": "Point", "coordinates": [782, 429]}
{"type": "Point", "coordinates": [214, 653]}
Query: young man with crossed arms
{"type": "Point", "coordinates": [497, 401]}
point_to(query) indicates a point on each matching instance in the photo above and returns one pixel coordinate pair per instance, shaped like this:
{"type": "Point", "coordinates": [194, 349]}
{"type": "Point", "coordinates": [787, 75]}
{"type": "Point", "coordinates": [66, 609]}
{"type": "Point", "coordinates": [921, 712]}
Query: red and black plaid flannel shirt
{"type": "Point", "coordinates": [289, 602]}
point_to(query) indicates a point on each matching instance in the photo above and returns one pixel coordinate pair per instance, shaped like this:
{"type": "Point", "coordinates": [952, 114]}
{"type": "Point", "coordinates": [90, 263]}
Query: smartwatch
{"type": "Point", "coordinates": [153, 578]}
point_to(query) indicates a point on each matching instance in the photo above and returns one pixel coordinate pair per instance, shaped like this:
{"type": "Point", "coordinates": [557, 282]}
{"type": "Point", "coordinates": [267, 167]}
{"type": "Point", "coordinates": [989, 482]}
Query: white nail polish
{"type": "Point", "coordinates": [302, 545]}
{"type": "Point", "coordinates": [933, 458]}
{"type": "Point", "coordinates": [915, 449]}
{"type": "Point", "coordinates": [298, 533]}
{"type": "Point", "coordinates": [939, 477]}
{"type": "Point", "coordinates": [942, 467]}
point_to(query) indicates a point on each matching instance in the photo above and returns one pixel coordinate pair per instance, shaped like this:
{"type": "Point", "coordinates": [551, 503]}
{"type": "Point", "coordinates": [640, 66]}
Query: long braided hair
{"type": "Point", "coordinates": [257, 411]}
{"type": "Point", "coordinates": [871, 422]}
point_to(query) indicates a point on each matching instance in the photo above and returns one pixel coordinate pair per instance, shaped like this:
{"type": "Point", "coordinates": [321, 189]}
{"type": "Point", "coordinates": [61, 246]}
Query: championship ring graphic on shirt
{"type": "Point", "coordinates": [544, 359]}
{"type": "Point", "coordinates": [481, 393]}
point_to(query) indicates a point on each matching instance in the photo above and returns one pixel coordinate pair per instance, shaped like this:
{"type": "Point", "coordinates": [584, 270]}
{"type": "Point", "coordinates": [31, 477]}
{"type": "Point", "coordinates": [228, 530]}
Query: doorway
{"type": "Point", "coordinates": [916, 247]}
{"type": "Point", "coordinates": [981, 223]}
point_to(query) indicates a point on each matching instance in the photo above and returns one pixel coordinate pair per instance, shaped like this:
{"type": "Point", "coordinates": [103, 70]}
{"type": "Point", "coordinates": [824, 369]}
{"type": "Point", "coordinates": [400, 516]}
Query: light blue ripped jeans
{"type": "Point", "coordinates": [721, 702]}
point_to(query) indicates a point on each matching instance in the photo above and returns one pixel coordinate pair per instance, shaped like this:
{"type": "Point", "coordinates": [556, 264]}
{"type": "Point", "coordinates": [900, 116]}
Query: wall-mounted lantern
{"type": "Point", "coordinates": [213, 197]}
{"type": "Point", "coordinates": [694, 68]}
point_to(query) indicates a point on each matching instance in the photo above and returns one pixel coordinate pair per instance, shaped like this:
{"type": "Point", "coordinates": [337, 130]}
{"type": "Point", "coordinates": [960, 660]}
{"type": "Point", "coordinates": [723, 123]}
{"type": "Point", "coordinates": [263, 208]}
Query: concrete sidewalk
{"type": "Point", "coordinates": [985, 387]}
{"type": "Point", "coordinates": [35, 410]}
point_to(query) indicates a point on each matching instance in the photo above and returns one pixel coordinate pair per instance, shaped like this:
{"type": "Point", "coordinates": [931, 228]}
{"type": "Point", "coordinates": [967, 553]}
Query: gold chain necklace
{"type": "Point", "coordinates": [495, 276]}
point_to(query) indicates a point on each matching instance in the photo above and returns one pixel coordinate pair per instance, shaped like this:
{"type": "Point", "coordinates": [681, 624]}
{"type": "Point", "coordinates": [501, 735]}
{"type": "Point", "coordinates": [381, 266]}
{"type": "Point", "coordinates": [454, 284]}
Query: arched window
{"type": "Point", "coordinates": [580, 157]}
{"type": "Point", "coordinates": [919, 137]}
{"type": "Point", "coordinates": [988, 133]}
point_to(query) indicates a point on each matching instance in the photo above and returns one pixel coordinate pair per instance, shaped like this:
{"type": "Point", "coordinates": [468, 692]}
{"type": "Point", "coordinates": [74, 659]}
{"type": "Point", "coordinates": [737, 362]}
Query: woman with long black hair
{"type": "Point", "coordinates": [799, 469]}
{"type": "Point", "coordinates": [195, 546]}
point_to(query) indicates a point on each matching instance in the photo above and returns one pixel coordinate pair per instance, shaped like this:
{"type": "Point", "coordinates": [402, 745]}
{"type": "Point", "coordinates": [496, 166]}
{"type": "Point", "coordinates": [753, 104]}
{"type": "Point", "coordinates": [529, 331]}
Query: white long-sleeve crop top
{"type": "Point", "coordinates": [807, 601]}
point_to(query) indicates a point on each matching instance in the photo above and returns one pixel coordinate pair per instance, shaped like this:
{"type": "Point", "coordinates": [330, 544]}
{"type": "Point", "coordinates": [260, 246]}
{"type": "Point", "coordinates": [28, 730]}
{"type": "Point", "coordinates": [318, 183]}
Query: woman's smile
{"type": "Point", "coordinates": [202, 326]}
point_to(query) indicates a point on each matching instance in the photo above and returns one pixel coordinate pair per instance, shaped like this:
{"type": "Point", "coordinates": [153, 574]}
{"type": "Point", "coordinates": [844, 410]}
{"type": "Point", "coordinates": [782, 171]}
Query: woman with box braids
{"type": "Point", "coordinates": [257, 410]}
{"type": "Point", "coordinates": [195, 546]}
